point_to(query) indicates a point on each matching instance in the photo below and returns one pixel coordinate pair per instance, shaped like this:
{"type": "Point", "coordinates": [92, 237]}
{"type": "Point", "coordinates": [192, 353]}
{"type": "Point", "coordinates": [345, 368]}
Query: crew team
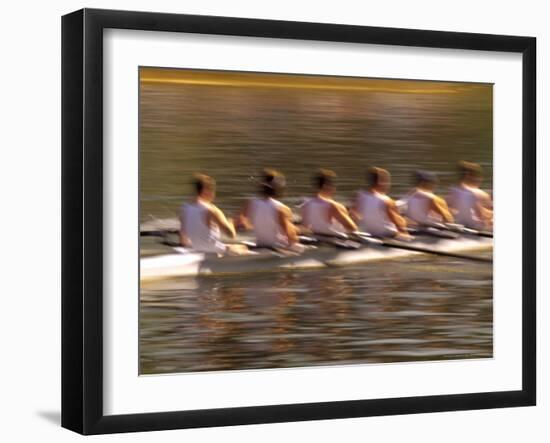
{"type": "Point", "coordinates": [372, 210]}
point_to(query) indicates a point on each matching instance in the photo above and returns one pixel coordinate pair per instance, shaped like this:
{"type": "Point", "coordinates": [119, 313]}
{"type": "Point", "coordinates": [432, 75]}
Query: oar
{"type": "Point", "coordinates": [402, 245]}
{"type": "Point", "coordinates": [338, 241]}
{"type": "Point", "coordinates": [434, 232]}
{"type": "Point", "coordinates": [365, 237]}
{"type": "Point", "coordinates": [488, 234]}
{"type": "Point", "coordinates": [157, 233]}
{"type": "Point", "coordinates": [452, 227]}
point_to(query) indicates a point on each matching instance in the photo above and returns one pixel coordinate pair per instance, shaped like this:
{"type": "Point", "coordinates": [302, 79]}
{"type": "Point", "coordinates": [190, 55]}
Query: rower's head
{"type": "Point", "coordinates": [272, 183]}
{"type": "Point", "coordinates": [205, 187]}
{"type": "Point", "coordinates": [379, 179]}
{"type": "Point", "coordinates": [470, 173]}
{"type": "Point", "coordinates": [426, 180]}
{"type": "Point", "coordinates": [324, 181]}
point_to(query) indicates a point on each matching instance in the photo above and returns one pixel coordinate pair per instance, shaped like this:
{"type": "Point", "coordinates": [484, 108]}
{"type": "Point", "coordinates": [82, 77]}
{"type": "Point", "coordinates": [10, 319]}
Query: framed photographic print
{"type": "Point", "coordinates": [269, 221]}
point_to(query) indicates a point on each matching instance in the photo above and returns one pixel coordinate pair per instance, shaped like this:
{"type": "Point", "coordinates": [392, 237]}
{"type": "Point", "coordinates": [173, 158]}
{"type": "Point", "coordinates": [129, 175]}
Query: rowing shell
{"type": "Point", "coordinates": [187, 263]}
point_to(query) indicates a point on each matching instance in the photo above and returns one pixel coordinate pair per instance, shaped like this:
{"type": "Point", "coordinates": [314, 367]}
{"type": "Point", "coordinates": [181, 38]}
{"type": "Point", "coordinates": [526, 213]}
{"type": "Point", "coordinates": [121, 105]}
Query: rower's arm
{"type": "Point", "coordinates": [395, 217]}
{"type": "Point", "coordinates": [286, 225]}
{"type": "Point", "coordinates": [218, 217]}
{"type": "Point", "coordinates": [340, 213]}
{"type": "Point", "coordinates": [243, 219]}
{"type": "Point", "coordinates": [184, 240]}
{"type": "Point", "coordinates": [484, 208]}
{"type": "Point", "coordinates": [486, 200]}
{"type": "Point", "coordinates": [450, 200]}
{"type": "Point", "coordinates": [304, 216]}
{"type": "Point", "coordinates": [354, 210]}
{"type": "Point", "coordinates": [439, 206]}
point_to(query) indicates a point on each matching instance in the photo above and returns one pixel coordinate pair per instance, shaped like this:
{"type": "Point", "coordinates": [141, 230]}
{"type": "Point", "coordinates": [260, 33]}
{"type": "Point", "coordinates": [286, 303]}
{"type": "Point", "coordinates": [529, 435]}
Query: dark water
{"type": "Point", "coordinates": [415, 309]}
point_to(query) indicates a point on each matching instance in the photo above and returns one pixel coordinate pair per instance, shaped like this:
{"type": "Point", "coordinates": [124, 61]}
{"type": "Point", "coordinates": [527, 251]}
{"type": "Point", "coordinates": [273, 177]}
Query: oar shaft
{"type": "Point", "coordinates": [488, 234]}
{"type": "Point", "coordinates": [463, 230]}
{"type": "Point", "coordinates": [399, 245]}
{"type": "Point", "coordinates": [158, 232]}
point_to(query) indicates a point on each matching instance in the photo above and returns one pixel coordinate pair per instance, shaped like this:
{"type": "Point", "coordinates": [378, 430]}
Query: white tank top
{"type": "Point", "coordinates": [203, 237]}
{"type": "Point", "coordinates": [374, 215]}
{"type": "Point", "coordinates": [464, 200]}
{"type": "Point", "coordinates": [263, 213]}
{"type": "Point", "coordinates": [419, 207]}
{"type": "Point", "coordinates": [316, 216]}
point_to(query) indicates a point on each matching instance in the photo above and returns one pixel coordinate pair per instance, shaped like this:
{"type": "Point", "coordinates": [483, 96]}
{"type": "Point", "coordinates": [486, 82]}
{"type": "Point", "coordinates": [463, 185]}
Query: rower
{"type": "Point", "coordinates": [201, 221]}
{"type": "Point", "coordinates": [375, 211]}
{"type": "Point", "coordinates": [424, 208]}
{"type": "Point", "coordinates": [322, 214]}
{"type": "Point", "coordinates": [471, 206]}
{"type": "Point", "coordinates": [270, 219]}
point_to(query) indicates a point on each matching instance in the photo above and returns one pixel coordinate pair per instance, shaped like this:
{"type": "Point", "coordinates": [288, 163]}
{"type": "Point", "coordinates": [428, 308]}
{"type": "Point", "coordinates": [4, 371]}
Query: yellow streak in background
{"type": "Point", "coordinates": [298, 86]}
{"type": "Point", "coordinates": [262, 80]}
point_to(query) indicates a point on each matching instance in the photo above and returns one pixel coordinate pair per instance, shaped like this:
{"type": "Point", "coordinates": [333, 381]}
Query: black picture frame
{"type": "Point", "coordinates": [82, 220]}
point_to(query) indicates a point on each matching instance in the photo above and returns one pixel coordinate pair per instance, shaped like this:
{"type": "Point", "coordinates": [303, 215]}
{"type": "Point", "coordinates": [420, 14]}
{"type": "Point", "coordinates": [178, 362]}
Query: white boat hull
{"type": "Point", "coordinates": [188, 264]}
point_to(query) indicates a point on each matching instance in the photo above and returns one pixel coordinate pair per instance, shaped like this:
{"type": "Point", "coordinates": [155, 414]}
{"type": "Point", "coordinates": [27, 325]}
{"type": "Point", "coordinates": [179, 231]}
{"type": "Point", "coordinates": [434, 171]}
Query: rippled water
{"type": "Point", "coordinates": [424, 308]}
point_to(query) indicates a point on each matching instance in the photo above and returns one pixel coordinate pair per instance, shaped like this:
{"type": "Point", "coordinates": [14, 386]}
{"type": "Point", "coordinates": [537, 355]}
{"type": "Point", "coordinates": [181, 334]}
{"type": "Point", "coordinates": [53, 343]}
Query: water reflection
{"type": "Point", "coordinates": [290, 319]}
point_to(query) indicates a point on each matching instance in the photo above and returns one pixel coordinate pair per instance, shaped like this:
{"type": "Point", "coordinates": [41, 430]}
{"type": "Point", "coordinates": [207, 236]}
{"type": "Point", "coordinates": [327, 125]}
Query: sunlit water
{"type": "Point", "coordinates": [423, 308]}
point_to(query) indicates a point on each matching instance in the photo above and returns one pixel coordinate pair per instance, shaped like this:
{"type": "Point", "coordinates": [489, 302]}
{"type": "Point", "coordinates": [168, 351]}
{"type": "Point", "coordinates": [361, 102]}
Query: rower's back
{"type": "Point", "coordinates": [316, 216]}
{"type": "Point", "coordinates": [204, 237]}
{"type": "Point", "coordinates": [263, 212]}
{"type": "Point", "coordinates": [373, 212]}
{"type": "Point", "coordinates": [467, 199]}
{"type": "Point", "coordinates": [419, 206]}
{"type": "Point", "coordinates": [463, 200]}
